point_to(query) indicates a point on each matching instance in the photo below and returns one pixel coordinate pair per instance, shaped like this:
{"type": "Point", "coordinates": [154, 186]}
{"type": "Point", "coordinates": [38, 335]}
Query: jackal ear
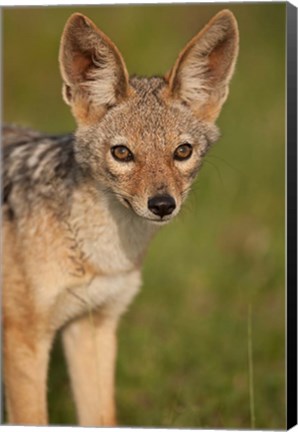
{"type": "Point", "coordinates": [94, 73]}
{"type": "Point", "coordinates": [202, 72]}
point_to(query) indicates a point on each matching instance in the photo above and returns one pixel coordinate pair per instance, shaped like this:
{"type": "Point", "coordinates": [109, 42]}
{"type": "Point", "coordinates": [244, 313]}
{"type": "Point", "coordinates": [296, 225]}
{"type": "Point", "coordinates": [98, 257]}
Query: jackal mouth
{"type": "Point", "coordinates": [159, 221]}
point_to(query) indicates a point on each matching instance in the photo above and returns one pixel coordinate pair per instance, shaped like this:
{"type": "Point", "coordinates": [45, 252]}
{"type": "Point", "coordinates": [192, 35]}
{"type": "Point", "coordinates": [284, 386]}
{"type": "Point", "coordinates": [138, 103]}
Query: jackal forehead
{"type": "Point", "coordinates": [147, 115]}
{"type": "Point", "coordinates": [147, 86]}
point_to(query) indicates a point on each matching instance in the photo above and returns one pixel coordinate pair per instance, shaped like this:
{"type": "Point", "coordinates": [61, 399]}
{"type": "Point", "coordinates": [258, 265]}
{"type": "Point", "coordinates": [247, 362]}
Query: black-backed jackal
{"type": "Point", "coordinates": [79, 210]}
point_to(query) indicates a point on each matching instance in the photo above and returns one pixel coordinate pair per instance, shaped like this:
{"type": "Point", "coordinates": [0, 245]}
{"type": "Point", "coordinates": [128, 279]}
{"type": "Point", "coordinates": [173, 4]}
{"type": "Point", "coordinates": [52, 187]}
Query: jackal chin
{"type": "Point", "coordinates": [157, 220]}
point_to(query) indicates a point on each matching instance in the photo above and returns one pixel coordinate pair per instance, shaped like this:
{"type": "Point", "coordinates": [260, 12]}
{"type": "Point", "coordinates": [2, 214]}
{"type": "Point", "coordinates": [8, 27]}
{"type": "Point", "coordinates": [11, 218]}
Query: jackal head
{"type": "Point", "coordinates": [144, 139]}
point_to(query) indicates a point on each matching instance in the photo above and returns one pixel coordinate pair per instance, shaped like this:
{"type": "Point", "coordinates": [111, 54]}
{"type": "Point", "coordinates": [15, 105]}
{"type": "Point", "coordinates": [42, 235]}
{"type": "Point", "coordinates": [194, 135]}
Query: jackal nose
{"type": "Point", "coordinates": [161, 205]}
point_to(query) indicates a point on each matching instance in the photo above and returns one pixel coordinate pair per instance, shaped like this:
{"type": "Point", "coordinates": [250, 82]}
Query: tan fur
{"type": "Point", "coordinates": [89, 334]}
{"type": "Point", "coordinates": [77, 221]}
{"type": "Point", "coordinates": [78, 60]}
{"type": "Point", "coordinates": [204, 84]}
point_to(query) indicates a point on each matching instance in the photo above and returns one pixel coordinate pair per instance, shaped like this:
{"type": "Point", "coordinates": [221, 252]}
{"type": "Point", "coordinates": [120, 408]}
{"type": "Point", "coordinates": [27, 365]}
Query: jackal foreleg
{"type": "Point", "coordinates": [25, 373]}
{"type": "Point", "coordinates": [90, 349]}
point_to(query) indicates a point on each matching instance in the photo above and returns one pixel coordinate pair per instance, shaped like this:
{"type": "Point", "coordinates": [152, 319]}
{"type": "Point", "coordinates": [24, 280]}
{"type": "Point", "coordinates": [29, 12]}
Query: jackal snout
{"type": "Point", "coordinates": [162, 205]}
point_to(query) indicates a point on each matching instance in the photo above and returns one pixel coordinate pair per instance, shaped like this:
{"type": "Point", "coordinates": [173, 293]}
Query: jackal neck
{"type": "Point", "coordinates": [111, 237]}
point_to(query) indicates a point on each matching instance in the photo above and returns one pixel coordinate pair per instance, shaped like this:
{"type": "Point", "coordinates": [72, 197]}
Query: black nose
{"type": "Point", "coordinates": [161, 205]}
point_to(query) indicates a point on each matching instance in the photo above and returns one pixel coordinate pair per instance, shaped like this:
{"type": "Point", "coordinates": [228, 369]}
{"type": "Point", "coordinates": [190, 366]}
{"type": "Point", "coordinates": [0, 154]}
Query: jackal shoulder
{"type": "Point", "coordinates": [38, 169]}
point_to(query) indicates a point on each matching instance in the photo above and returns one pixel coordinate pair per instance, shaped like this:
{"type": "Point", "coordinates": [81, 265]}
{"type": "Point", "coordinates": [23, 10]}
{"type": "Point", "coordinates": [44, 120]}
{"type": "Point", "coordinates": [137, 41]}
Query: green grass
{"type": "Point", "coordinates": [183, 354]}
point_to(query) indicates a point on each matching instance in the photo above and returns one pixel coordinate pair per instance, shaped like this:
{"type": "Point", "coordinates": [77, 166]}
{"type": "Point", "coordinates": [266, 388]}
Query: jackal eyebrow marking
{"type": "Point", "coordinates": [185, 138]}
{"type": "Point", "coordinates": [118, 140]}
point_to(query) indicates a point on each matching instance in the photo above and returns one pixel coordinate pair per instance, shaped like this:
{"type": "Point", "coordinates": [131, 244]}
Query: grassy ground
{"type": "Point", "coordinates": [183, 355]}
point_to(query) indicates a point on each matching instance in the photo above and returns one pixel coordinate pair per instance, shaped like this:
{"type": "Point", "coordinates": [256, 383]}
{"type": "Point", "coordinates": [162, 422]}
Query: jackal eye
{"type": "Point", "coordinates": [121, 153]}
{"type": "Point", "coordinates": [183, 152]}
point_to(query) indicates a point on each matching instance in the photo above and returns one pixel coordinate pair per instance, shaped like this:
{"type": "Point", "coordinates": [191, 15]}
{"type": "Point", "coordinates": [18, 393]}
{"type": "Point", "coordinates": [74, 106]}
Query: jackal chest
{"type": "Point", "coordinates": [101, 294]}
{"type": "Point", "coordinates": [92, 272]}
{"type": "Point", "coordinates": [92, 261]}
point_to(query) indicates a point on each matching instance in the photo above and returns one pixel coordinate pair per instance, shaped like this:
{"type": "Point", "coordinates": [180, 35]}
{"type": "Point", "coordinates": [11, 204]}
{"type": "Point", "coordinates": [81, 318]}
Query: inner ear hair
{"type": "Point", "coordinates": [202, 72]}
{"type": "Point", "coordinates": [92, 68]}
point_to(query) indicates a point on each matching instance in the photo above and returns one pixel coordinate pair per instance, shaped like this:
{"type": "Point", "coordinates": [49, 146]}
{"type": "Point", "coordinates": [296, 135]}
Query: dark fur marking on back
{"type": "Point", "coordinates": [41, 179]}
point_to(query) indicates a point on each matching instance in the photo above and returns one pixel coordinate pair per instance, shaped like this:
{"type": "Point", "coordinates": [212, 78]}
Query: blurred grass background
{"type": "Point", "coordinates": [183, 355]}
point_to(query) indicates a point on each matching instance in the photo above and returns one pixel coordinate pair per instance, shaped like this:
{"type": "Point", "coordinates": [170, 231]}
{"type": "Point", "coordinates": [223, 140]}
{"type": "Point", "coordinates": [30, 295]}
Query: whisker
{"type": "Point", "coordinates": [217, 170]}
{"type": "Point", "coordinates": [227, 163]}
